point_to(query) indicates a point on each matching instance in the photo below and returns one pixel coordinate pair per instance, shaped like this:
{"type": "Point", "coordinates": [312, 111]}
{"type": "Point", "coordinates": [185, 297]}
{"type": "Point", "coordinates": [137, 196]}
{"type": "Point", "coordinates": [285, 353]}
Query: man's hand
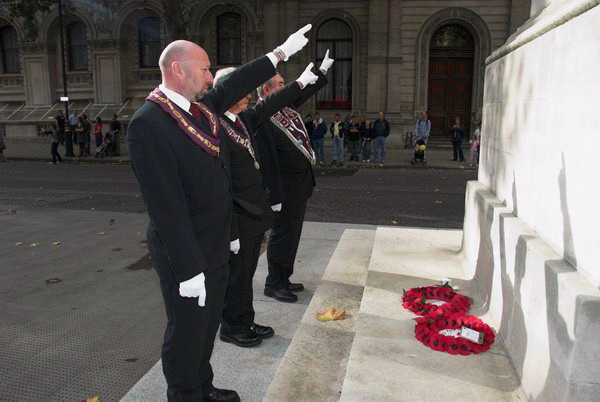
{"type": "Point", "coordinates": [307, 77]}
{"type": "Point", "coordinates": [234, 246]}
{"type": "Point", "coordinates": [194, 288]}
{"type": "Point", "coordinates": [276, 207]}
{"type": "Point", "coordinates": [327, 63]}
{"type": "Point", "coordinates": [294, 43]}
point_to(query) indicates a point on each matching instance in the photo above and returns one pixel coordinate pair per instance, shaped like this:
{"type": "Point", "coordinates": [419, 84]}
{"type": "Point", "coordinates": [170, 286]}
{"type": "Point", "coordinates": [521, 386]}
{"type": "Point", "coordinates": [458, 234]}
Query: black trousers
{"type": "Point", "coordinates": [55, 155]}
{"type": "Point", "coordinates": [283, 243]}
{"type": "Point", "coordinates": [238, 313]}
{"type": "Point", "coordinates": [457, 149]}
{"type": "Point", "coordinates": [69, 142]}
{"type": "Point", "coordinates": [190, 334]}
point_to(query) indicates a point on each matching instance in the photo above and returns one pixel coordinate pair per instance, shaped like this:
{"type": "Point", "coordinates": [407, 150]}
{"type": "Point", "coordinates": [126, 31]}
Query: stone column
{"type": "Point", "coordinates": [106, 67]}
{"type": "Point", "coordinates": [37, 71]}
{"type": "Point", "coordinates": [394, 80]}
{"type": "Point", "coordinates": [377, 68]}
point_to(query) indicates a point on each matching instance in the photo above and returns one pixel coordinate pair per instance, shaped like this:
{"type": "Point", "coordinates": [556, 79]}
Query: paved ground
{"type": "Point", "coordinates": [98, 329]}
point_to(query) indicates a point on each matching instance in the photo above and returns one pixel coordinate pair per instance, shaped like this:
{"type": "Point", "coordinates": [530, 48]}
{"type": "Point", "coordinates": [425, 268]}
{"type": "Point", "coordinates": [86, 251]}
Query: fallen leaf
{"type": "Point", "coordinates": [93, 399]}
{"type": "Point", "coordinates": [34, 244]}
{"type": "Point", "coordinates": [143, 243]}
{"type": "Point", "coordinates": [131, 360]}
{"type": "Point", "coordinates": [53, 280]}
{"type": "Point", "coordinates": [111, 222]}
{"type": "Point", "coordinates": [117, 249]}
{"type": "Point", "coordinates": [92, 209]}
{"type": "Point", "coordinates": [438, 201]}
{"type": "Point", "coordinates": [56, 243]}
{"type": "Point", "coordinates": [19, 243]}
{"type": "Point", "coordinates": [436, 190]}
{"type": "Point", "coordinates": [139, 233]}
{"type": "Point", "coordinates": [331, 315]}
{"type": "Point", "coordinates": [137, 196]}
{"type": "Point", "coordinates": [395, 222]}
{"type": "Point", "coordinates": [90, 196]}
{"type": "Point", "coordinates": [101, 233]}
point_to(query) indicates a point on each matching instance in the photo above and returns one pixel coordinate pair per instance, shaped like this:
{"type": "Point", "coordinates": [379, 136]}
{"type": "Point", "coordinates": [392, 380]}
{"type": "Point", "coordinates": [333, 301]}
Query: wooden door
{"type": "Point", "coordinates": [449, 90]}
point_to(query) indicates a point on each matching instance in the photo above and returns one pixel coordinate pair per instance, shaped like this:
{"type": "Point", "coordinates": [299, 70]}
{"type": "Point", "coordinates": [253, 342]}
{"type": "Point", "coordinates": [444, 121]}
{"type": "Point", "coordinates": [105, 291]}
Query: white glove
{"type": "Point", "coordinates": [307, 77]}
{"type": "Point", "coordinates": [276, 207]}
{"type": "Point", "coordinates": [294, 43]}
{"type": "Point", "coordinates": [327, 63]}
{"type": "Point", "coordinates": [234, 246]}
{"type": "Point", "coordinates": [194, 288]}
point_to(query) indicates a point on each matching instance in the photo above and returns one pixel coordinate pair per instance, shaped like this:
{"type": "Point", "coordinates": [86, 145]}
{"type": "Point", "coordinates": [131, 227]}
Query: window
{"type": "Point", "coordinates": [10, 51]}
{"type": "Point", "coordinates": [229, 39]}
{"type": "Point", "coordinates": [336, 36]}
{"type": "Point", "coordinates": [77, 45]}
{"type": "Point", "coordinates": [149, 41]}
{"type": "Point", "coordinates": [452, 36]}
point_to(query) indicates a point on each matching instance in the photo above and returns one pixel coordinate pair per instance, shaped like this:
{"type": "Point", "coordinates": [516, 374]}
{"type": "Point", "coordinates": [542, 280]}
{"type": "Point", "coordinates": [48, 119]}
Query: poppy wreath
{"type": "Point", "coordinates": [415, 300]}
{"type": "Point", "coordinates": [427, 331]}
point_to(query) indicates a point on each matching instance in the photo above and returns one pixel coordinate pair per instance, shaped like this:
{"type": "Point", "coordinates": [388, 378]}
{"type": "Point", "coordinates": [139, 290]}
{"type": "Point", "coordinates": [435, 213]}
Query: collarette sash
{"type": "Point", "coordinates": [290, 122]}
{"type": "Point", "coordinates": [209, 142]}
{"type": "Point", "coordinates": [240, 140]}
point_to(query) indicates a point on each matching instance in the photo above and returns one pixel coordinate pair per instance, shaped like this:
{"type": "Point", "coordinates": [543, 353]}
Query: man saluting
{"type": "Point", "coordinates": [174, 151]}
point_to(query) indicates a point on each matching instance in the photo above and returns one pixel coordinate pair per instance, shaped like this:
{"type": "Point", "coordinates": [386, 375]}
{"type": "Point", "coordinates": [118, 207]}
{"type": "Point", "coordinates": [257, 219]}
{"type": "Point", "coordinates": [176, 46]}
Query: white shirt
{"type": "Point", "coordinates": [176, 98]}
{"type": "Point", "coordinates": [232, 117]}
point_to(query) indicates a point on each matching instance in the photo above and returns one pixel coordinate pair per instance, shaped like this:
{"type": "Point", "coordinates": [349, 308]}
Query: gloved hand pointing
{"type": "Point", "coordinates": [327, 63]}
{"type": "Point", "coordinates": [234, 246]}
{"type": "Point", "coordinates": [307, 77]}
{"type": "Point", "coordinates": [294, 43]}
{"type": "Point", "coordinates": [276, 207]}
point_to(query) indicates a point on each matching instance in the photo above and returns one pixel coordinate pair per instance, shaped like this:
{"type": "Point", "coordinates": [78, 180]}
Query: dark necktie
{"type": "Point", "coordinates": [195, 110]}
{"type": "Point", "coordinates": [238, 122]}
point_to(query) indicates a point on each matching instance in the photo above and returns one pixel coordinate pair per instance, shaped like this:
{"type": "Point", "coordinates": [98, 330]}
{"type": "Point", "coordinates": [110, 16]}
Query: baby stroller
{"type": "Point", "coordinates": [107, 148]}
{"type": "Point", "coordinates": [419, 153]}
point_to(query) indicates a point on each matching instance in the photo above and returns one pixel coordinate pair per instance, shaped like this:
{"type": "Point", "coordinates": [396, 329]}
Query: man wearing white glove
{"type": "Point", "coordinates": [252, 212]}
{"type": "Point", "coordinates": [287, 156]}
{"type": "Point", "coordinates": [176, 159]}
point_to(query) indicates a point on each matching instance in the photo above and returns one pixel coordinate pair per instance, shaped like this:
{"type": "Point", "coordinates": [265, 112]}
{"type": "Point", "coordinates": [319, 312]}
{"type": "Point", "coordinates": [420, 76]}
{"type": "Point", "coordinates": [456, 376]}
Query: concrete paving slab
{"type": "Point", "coordinates": [386, 361]}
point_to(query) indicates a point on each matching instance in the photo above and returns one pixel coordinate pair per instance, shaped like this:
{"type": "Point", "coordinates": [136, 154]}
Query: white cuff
{"type": "Point", "coordinates": [273, 58]}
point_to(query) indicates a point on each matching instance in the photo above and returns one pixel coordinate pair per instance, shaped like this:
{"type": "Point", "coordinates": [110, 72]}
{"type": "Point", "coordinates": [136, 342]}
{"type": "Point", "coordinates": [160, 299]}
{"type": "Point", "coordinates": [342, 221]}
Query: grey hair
{"type": "Point", "coordinates": [269, 83]}
{"type": "Point", "coordinates": [222, 73]}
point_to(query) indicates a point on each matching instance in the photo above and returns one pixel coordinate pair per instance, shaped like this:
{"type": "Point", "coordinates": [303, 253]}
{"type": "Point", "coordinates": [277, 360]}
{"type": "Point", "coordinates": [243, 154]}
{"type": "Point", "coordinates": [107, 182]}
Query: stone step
{"type": "Point", "coordinates": [314, 365]}
{"type": "Point", "coordinates": [386, 361]}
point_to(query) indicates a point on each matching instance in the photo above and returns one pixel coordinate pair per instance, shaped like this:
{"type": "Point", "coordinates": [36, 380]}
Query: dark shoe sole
{"type": "Point", "coordinates": [227, 339]}
{"type": "Point", "coordinates": [270, 294]}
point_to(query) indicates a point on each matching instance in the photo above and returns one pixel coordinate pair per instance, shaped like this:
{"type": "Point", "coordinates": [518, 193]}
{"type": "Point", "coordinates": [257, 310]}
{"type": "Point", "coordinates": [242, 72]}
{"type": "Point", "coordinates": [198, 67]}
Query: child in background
{"type": "Point", "coordinates": [474, 157]}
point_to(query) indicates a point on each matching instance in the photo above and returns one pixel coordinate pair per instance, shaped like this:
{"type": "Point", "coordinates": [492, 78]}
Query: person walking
{"type": "Point", "coordinates": [2, 147]}
{"type": "Point", "coordinates": [115, 132]}
{"type": "Point", "coordinates": [457, 133]}
{"type": "Point", "coordinates": [87, 125]}
{"type": "Point", "coordinates": [366, 134]}
{"type": "Point", "coordinates": [80, 136]}
{"type": "Point", "coordinates": [53, 134]}
{"type": "Point", "coordinates": [337, 129]}
{"type": "Point", "coordinates": [381, 130]}
{"type": "Point", "coordinates": [422, 128]}
{"type": "Point", "coordinates": [62, 124]}
{"type": "Point", "coordinates": [319, 131]}
{"type": "Point", "coordinates": [71, 135]}
{"type": "Point", "coordinates": [353, 135]}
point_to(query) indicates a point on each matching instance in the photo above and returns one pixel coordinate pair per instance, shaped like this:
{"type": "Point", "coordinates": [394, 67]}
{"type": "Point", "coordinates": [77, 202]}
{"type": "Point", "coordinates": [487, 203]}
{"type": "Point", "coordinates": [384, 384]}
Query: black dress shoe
{"type": "Point", "coordinates": [295, 287]}
{"type": "Point", "coordinates": [222, 395]}
{"type": "Point", "coordinates": [283, 295]}
{"type": "Point", "coordinates": [262, 331]}
{"type": "Point", "coordinates": [242, 340]}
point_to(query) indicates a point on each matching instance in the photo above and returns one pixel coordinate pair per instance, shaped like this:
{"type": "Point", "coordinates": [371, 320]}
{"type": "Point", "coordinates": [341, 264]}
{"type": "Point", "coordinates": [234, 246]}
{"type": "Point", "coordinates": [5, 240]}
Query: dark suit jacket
{"type": "Point", "coordinates": [287, 172]}
{"type": "Point", "coordinates": [187, 191]}
{"type": "Point", "coordinates": [247, 182]}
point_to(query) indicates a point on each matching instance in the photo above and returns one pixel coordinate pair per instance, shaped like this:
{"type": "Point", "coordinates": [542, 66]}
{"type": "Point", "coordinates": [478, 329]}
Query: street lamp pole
{"type": "Point", "coordinates": [64, 74]}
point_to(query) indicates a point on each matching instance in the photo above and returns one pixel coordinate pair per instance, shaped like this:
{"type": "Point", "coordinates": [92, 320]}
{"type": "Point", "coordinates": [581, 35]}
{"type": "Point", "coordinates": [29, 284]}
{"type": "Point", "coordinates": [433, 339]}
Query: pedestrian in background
{"type": "Point", "coordinates": [422, 128]}
{"type": "Point", "coordinates": [80, 136]}
{"type": "Point", "coordinates": [474, 154]}
{"type": "Point", "coordinates": [2, 147]}
{"type": "Point", "coordinates": [353, 135]}
{"type": "Point", "coordinates": [62, 124]}
{"type": "Point", "coordinates": [366, 133]}
{"type": "Point", "coordinates": [381, 130]}
{"type": "Point", "coordinates": [87, 125]}
{"type": "Point", "coordinates": [53, 134]}
{"type": "Point", "coordinates": [457, 133]}
{"type": "Point", "coordinates": [98, 131]}
{"type": "Point", "coordinates": [319, 131]}
{"type": "Point", "coordinates": [308, 123]}
{"type": "Point", "coordinates": [115, 131]}
{"type": "Point", "coordinates": [70, 135]}
{"type": "Point", "coordinates": [337, 129]}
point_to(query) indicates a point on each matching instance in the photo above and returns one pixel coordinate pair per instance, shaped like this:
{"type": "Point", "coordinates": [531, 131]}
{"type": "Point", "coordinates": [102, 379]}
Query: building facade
{"type": "Point", "coordinates": [396, 56]}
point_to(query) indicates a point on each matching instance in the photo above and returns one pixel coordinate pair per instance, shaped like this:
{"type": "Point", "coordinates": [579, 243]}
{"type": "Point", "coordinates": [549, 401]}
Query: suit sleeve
{"type": "Point", "coordinates": [238, 84]}
{"type": "Point", "coordinates": [156, 169]}
{"type": "Point", "coordinates": [310, 90]}
{"type": "Point", "coordinates": [275, 102]}
{"type": "Point", "coordinates": [267, 151]}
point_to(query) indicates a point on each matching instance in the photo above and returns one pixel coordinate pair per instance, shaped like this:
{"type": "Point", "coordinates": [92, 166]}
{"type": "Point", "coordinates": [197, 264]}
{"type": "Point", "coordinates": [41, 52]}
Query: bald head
{"type": "Point", "coordinates": [185, 68]}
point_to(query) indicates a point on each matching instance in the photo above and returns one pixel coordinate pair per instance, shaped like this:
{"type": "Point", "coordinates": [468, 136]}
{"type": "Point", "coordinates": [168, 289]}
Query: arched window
{"type": "Point", "coordinates": [77, 45]}
{"type": "Point", "coordinates": [229, 38]}
{"type": "Point", "coordinates": [149, 41]}
{"type": "Point", "coordinates": [336, 35]}
{"type": "Point", "coordinates": [10, 51]}
{"type": "Point", "coordinates": [452, 36]}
